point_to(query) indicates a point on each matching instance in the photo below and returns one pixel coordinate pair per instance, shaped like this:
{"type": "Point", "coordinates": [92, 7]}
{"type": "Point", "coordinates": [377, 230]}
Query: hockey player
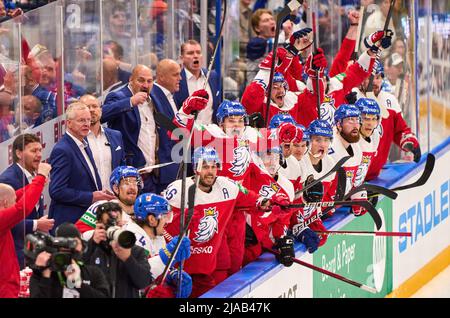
{"type": "Point", "coordinates": [275, 122]}
{"type": "Point", "coordinates": [393, 126]}
{"type": "Point", "coordinates": [269, 230]}
{"type": "Point", "coordinates": [345, 143]}
{"type": "Point", "coordinates": [314, 165]}
{"type": "Point", "coordinates": [126, 183]}
{"type": "Point", "coordinates": [370, 136]}
{"type": "Point", "coordinates": [233, 142]}
{"type": "Point", "coordinates": [215, 201]}
{"type": "Point", "coordinates": [151, 214]}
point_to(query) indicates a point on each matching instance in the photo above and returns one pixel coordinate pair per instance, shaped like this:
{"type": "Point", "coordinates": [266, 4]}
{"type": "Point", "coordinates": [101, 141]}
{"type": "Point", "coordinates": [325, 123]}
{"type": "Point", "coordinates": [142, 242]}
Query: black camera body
{"type": "Point", "coordinates": [38, 242]}
{"type": "Point", "coordinates": [125, 239]}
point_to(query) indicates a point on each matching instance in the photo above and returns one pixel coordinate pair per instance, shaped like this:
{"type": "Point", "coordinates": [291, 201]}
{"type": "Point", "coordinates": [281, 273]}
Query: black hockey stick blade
{"type": "Point", "coordinates": [164, 122]}
{"type": "Point", "coordinates": [429, 166]}
{"type": "Point", "coordinates": [373, 188]}
{"type": "Point", "coordinates": [365, 204]}
{"type": "Point", "coordinates": [341, 184]}
{"type": "Point", "coordinates": [332, 170]}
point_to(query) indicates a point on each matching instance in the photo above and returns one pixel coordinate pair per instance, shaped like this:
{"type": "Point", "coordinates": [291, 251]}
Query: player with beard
{"type": "Point", "coordinates": [370, 136]}
{"type": "Point", "coordinates": [216, 200]}
{"type": "Point", "coordinates": [394, 128]}
{"type": "Point", "coordinates": [126, 183]}
{"type": "Point", "coordinates": [347, 119]}
{"type": "Point", "coordinates": [233, 141]}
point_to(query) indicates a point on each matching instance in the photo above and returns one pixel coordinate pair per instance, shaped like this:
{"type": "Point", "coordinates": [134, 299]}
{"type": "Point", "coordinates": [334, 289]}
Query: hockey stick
{"type": "Point", "coordinates": [291, 6]}
{"type": "Point", "coordinates": [332, 170]}
{"type": "Point", "coordinates": [429, 166]}
{"type": "Point", "coordinates": [341, 184]}
{"type": "Point", "coordinates": [365, 233]}
{"type": "Point", "coordinates": [326, 272]}
{"type": "Point", "coordinates": [363, 14]}
{"type": "Point", "coordinates": [363, 203]}
{"type": "Point", "coordinates": [150, 168]}
{"type": "Point", "coordinates": [316, 43]}
{"type": "Point", "coordinates": [373, 188]}
{"type": "Point", "coordinates": [386, 26]}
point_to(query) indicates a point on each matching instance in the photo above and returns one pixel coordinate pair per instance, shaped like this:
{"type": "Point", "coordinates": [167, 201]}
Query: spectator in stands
{"type": "Point", "coordinates": [263, 24]}
{"type": "Point", "coordinates": [110, 76]}
{"type": "Point", "coordinates": [112, 49]}
{"type": "Point", "coordinates": [106, 143]}
{"type": "Point", "coordinates": [193, 77]}
{"type": "Point", "coordinates": [27, 154]}
{"type": "Point", "coordinates": [6, 116]}
{"type": "Point", "coordinates": [14, 206]}
{"type": "Point", "coordinates": [129, 110]}
{"type": "Point", "coordinates": [75, 182]}
{"type": "Point", "coordinates": [167, 83]}
{"type": "Point", "coordinates": [31, 112]}
{"type": "Point", "coordinates": [118, 29]}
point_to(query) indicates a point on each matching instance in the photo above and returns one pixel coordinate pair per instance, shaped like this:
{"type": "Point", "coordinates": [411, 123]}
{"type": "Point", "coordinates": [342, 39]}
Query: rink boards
{"type": "Point", "coordinates": [396, 267]}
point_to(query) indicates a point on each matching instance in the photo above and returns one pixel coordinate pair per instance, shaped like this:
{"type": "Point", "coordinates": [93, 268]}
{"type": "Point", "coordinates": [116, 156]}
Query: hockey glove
{"type": "Point", "coordinates": [298, 42]}
{"type": "Point", "coordinates": [316, 62]}
{"type": "Point", "coordinates": [183, 252]}
{"type": "Point", "coordinates": [186, 282]}
{"type": "Point", "coordinates": [315, 193]}
{"type": "Point", "coordinates": [371, 40]}
{"type": "Point", "coordinates": [308, 237]}
{"type": "Point", "coordinates": [196, 102]}
{"type": "Point", "coordinates": [410, 143]}
{"type": "Point", "coordinates": [285, 245]}
{"type": "Point", "coordinates": [256, 120]}
{"type": "Point", "coordinates": [287, 132]}
{"type": "Point", "coordinates": [351, 98]}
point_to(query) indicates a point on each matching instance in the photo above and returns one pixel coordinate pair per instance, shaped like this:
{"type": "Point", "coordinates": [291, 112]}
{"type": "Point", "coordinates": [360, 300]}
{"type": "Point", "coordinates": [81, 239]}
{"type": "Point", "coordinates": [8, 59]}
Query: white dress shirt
{"type": "Point", "coordinates": [30, 178]}
{"type": "Point", "coordinates": [194, 84]}
{"type": "Point", "coordinates": [147, 133]}
{"type": "Point", "coordinates": [101, 151]}
{"type": "Point", "coordinates": [82, 145]}
{"type": "Point", "coordinates": [169, 96]}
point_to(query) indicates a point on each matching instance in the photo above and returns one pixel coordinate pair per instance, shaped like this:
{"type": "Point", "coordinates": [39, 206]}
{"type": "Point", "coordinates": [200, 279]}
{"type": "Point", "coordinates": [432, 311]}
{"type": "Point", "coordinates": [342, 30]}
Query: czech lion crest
{"type": "Point", "coordinates": [208, 225]}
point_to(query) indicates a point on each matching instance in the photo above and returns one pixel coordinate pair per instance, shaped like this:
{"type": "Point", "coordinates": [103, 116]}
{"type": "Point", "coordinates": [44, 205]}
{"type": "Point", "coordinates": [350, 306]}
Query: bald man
{"type": "Point", "coordinates": [129, 110]}
{"type": "Point", "coordinates": [14, 207]}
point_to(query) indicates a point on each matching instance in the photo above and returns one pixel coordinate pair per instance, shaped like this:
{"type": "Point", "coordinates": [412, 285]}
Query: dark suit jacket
{"type": "Point", "coordinates": [120, 115]}
{"type": "Point", "coordinates": [71, 182]}
{"type": "Point", "coordinates": [116, 143]}
{"type": "Point", "coordinates": [167, 174]}
{"type": "Point", "coordinates": [213, 82]}
{"type": "Point", "coordinates": [15, 177]}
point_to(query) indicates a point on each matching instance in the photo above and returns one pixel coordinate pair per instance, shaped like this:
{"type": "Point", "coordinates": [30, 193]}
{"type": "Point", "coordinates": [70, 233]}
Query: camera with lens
{"type": "Point", "coordinates": [124, 238]}
{"type": "Point", "coordinates": [38, 242]}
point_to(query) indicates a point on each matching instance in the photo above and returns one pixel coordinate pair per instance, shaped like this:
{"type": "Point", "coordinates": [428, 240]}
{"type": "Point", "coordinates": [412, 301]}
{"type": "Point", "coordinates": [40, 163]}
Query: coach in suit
{"type": "Point", "coordinates": [27, 154]}
{"type": "Point", "coordinates": [129, 110]}
{"type": "Point", "coordinates": [106, 144]}
{"type": "Point", "coordinates": [74, 181]}
{"type": "Point", "coordinates": [167, 83]}
{"type": "Point", "coordinates": [193, 77]}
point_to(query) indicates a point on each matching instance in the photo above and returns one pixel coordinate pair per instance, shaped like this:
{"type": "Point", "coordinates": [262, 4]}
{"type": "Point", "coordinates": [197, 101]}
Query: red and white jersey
{"type": "Point", "coordinates": [234, 152]}
{"type": "Point", "coordinates": [211, 214]}
{"type": "Point", "coordinates": [269, 226]}
{"type": "Point", "coordinates": [307, 169]}
{"type": "Point", "coordinates": [293, 170]}
{"type": "Point", "coordinates": [337, 151]}
{"type": "Point", "coordinates": [151, 246]}
{"type": "Point", "coordinates": [369, 148]}
{"type": "Point", "coordinates": [392, 129]}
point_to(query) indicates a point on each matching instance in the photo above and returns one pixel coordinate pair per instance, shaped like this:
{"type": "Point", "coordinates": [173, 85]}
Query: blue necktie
{"type": "Point", "coordinates": [91, 158]}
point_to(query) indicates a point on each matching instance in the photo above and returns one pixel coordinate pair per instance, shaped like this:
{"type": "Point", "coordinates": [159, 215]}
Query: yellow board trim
{"type": "Point", "coordinates": [439, 111]}
{"type": "Point", "coordinates": [423, 276]}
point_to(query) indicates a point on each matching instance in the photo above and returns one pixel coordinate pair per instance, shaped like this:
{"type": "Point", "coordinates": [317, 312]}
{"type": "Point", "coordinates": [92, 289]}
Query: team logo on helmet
{"type": "Point", "coordinates": [267, 191]}
{"type": "Point", "coordinates": [208, 225]}
{"type": "Point", "coordinates": [327, 110]}
{"type": "Point", "coordinates": [241, 160]}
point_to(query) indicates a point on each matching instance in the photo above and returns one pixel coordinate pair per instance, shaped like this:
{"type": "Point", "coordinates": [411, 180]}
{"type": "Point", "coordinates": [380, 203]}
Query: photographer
{"type": "Point", "coordinates": [14, 207]}
{"type": "Point", "coordinates": [112, 249]}
{"type": "Point", "coordinates": [62, 274]}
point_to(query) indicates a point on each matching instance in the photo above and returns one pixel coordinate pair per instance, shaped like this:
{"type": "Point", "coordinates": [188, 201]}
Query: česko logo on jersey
{"type": "Point", "coordinates": [327, 110]}
{"type": "Point", "coordinates": [241, 158]}
{"type": "Point", "coordinates": [267, 191]}
{"type": "Point", "coordinates": [208, 225]}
